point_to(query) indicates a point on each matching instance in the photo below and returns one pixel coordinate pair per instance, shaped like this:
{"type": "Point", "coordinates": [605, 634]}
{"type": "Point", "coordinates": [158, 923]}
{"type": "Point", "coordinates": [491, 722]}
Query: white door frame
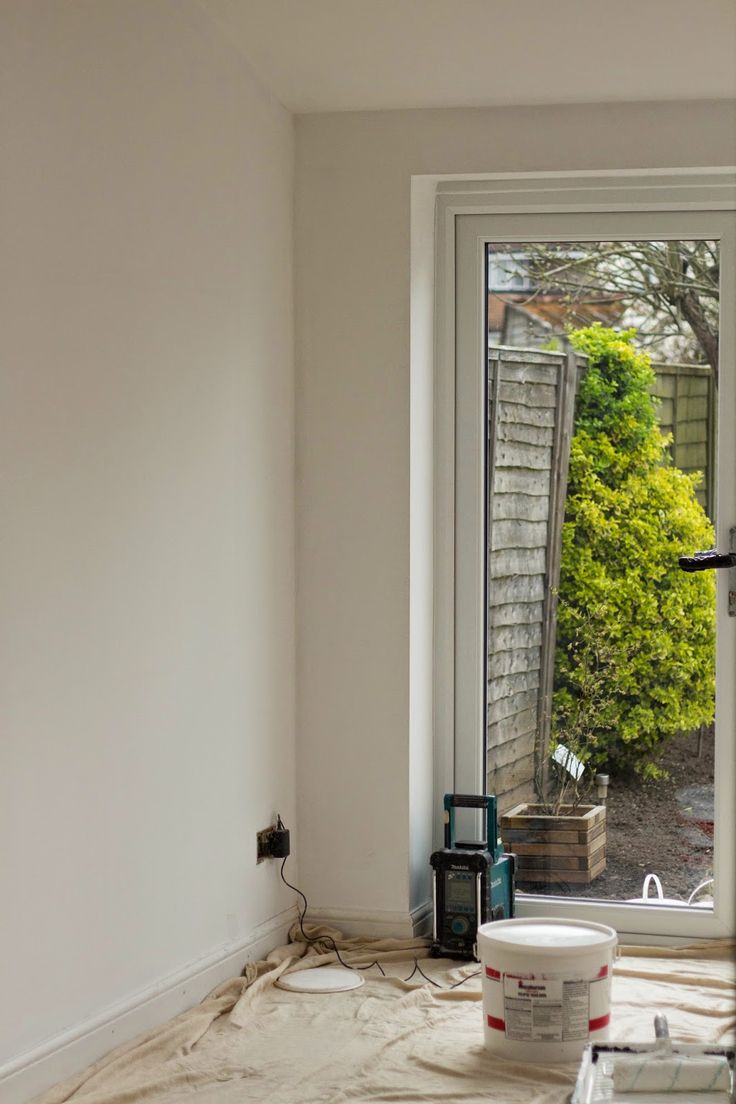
{"type": "Point", "coordinates": [652, 204]}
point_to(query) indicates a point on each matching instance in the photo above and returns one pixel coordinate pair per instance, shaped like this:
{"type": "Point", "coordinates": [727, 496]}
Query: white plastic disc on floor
{"type": "Point", "coordinates": [322, 979]}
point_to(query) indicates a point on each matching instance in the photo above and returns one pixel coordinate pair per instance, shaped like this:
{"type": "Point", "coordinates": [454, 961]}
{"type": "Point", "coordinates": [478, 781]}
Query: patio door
{"type": "Point", "coordinates": [514, 417]}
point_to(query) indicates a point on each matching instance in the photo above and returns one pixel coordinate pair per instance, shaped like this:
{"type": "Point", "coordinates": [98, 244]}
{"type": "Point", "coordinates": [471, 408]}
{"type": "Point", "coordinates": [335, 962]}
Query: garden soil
{"type": "Point", "coordinates": [663, 827]}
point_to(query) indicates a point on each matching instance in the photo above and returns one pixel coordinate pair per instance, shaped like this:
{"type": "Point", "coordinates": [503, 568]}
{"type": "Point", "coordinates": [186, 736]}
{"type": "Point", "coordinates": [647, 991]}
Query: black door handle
{"type": "Point", "coordinates": [706, 561]}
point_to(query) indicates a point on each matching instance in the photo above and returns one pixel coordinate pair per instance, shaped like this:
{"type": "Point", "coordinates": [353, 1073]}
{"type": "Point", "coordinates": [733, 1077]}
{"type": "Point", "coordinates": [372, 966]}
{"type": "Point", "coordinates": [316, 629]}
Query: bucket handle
{"type": "Point", "coordinates": [657, 885]}
{"type": "Point", "coordinates": [696, 891]}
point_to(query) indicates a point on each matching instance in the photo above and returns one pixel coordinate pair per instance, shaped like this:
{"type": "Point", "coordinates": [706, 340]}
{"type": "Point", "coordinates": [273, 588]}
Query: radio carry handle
{"type": "Point", "coordinates": [472, 801]}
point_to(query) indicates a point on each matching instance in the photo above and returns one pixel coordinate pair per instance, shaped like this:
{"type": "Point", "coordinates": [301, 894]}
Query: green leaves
{"type": "Point", "coordinates": [636, 636]}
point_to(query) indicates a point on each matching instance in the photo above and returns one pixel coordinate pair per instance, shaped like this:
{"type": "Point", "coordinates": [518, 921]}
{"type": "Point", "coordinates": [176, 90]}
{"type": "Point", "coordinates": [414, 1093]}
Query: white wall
{"type": "Point", "coordinates": [146, 444]}
{"type": "Point", "coordinates": [363, 444]}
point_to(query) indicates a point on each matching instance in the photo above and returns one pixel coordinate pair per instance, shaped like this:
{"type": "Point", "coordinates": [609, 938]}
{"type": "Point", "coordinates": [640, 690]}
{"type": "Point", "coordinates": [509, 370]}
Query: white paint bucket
{"type": "Point", "coordinates": [546, 987]}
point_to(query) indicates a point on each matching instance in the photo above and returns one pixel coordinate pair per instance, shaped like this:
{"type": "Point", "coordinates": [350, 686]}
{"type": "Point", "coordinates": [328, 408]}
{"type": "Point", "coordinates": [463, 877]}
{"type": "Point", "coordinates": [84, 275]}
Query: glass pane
{"type": "Point", "coordinates": [602, 393]}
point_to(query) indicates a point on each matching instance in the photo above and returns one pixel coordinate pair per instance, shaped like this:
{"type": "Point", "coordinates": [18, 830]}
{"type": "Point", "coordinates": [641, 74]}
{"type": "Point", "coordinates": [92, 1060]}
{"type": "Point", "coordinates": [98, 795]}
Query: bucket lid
{"type": "Point", "coordinates": [321, 979]}
{"type": "Point", "coordinates": [551, 936]}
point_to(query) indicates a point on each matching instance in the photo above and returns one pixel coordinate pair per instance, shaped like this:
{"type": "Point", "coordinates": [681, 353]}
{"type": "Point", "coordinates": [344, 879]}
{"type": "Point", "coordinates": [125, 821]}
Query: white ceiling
{"type": "Point", "coordinates": [346, 55]}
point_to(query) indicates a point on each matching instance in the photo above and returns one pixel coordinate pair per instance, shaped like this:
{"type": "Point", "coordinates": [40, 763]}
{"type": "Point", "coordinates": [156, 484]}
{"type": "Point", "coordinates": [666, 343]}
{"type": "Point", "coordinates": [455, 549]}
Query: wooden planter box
{"type": "Point", "coordinates": [569, 847]}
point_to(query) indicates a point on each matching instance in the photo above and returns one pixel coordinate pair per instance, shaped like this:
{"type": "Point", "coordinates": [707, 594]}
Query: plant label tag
{"type": "Point", "coordinates": [568, 760]}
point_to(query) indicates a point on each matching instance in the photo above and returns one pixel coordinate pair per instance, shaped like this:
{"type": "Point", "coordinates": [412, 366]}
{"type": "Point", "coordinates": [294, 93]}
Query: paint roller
{"type": "Point", "coordinates": [663, 1069]}
{"type": "Point", "coordinates": [651, 1072]}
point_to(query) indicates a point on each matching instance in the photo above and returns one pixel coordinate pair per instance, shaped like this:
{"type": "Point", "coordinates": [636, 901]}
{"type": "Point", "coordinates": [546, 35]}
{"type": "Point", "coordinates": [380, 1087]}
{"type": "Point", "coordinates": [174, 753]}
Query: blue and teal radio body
{"type": "Point", "coordinates": [473, 881]}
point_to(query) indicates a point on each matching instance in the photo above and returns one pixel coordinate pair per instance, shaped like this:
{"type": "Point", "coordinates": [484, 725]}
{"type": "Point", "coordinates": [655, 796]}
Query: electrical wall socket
{"type": "Point", "coordinates": [263, 844]}
{"type": "Point", "coordinates": [273, 842]}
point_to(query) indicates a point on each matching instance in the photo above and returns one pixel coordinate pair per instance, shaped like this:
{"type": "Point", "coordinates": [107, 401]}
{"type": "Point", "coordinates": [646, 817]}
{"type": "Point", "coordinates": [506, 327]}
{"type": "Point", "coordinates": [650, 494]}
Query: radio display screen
{"type": "Point", "coordinates": [459, 890]}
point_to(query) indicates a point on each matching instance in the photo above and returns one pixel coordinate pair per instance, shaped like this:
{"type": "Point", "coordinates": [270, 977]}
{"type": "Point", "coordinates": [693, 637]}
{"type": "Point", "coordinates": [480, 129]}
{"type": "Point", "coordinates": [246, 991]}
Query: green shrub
{"type": "Point", "coordinates": [629, 620]}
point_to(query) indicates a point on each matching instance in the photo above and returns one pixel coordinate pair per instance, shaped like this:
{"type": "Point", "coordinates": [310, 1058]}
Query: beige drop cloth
{"type": "Point", "coordinates": [390, 1040]}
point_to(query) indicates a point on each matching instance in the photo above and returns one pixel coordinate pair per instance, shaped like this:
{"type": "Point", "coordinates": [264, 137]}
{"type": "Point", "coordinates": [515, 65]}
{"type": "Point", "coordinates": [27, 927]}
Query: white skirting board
{"type": "Point", "coordinates": [71, 1051]}
{"type": "Point", "coordinates": [387, 924]}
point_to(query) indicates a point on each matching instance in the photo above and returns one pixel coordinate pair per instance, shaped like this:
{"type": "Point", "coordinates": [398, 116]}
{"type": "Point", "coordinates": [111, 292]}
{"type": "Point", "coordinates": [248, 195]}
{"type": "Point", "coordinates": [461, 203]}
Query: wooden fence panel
{"type": "Point", "coordinates": [686, 398]}
{"type": "Point", "coordinates": [531, 406]}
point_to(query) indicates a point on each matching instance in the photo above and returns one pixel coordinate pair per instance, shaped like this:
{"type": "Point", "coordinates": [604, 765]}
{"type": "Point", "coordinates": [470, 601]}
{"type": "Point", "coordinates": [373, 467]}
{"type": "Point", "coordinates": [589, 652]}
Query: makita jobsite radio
{"type": "Point", "coordinates": [473, 881]}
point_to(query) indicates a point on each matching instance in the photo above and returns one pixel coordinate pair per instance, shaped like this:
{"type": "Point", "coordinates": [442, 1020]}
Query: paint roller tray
{"type": "Point", "coordinates": [595, 1083]}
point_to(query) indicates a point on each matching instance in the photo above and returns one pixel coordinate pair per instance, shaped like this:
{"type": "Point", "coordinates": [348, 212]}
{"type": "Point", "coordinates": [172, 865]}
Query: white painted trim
{"type": "Point", "coordinates": [78, 1047]}
{"type": "Point", "coordinates": [421, 918]}
{"type": "Point", "coordinates": [380, 924]}
{"type": "Point", "coordinates": [470, 348]}
{"type": "Point", "coordinates": [614, 195]}
{"type": "Point", "coordinates": [444, 520]}
{"type": "Point", "coordinates": [467, 180]}
{"type": "Point", "coordinates": [577, 193]}
{"type": "Point", "coordinates": [659, 925]}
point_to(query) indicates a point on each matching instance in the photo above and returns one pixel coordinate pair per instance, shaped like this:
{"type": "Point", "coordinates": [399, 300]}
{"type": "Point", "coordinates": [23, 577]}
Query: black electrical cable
{"type": "Point", "coordinates": [463, 980]}
{"type": "Point", "coordinates": [322, 938]}
{"type": "Point", "coordinates": [418, 970]}
{"type": "Point", "coordinates": [328, 938]}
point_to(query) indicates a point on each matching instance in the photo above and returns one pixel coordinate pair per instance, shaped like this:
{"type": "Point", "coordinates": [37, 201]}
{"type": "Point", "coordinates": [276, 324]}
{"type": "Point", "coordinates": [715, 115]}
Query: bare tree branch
{"type": "Point", "coordinates": [675, 284]}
